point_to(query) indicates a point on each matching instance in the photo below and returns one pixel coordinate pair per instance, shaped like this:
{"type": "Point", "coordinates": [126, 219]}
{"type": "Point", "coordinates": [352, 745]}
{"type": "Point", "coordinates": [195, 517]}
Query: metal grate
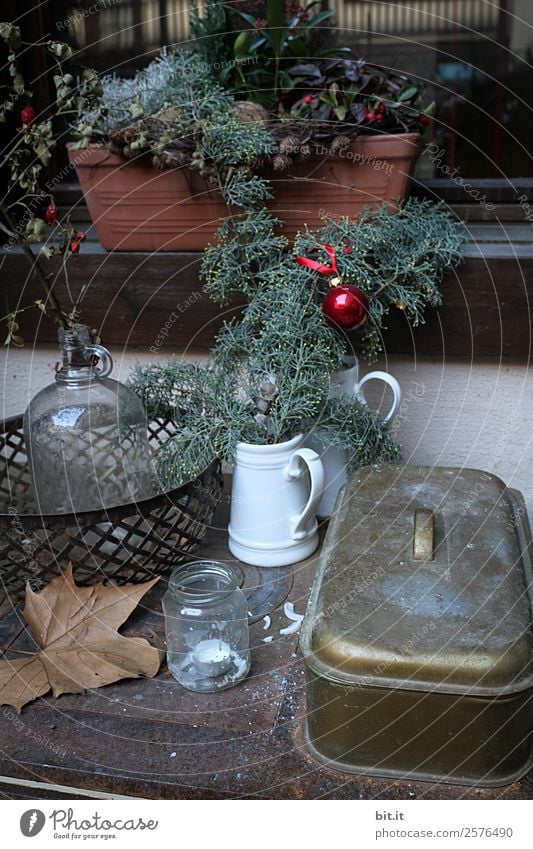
{"type": "Point", "coordinates": [132, 542]}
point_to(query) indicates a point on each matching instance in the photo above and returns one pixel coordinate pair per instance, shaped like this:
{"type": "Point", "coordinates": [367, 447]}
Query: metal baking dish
{"type": "Point", "coordinates": [417, 638]}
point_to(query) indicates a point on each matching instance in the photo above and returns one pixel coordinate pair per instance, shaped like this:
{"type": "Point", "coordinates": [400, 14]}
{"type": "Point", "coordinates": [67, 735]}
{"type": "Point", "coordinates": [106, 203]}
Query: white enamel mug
{"type": "Point", "coordinates": [346, 382]}
{"type": "Point", "coordinates": [335, 460]}
{"type": "Point", "coordinates": [275, 493]}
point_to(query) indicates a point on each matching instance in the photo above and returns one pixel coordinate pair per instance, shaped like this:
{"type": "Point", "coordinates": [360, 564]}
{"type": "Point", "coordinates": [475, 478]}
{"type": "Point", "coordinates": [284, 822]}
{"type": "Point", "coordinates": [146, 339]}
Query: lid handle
{"type": "Point", "coordinates": [424, 535]}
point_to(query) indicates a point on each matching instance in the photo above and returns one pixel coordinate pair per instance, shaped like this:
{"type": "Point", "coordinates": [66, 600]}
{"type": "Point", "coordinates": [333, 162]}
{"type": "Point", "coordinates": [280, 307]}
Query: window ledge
{"type": "Point", "coordinates": [130, 297]}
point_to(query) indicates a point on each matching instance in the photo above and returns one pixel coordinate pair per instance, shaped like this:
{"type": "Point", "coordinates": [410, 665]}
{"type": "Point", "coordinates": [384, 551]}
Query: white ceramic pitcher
{"type": "Point", "coordinates": [275, 493]}
{"type": "Point", "coordinates": [335, 460]}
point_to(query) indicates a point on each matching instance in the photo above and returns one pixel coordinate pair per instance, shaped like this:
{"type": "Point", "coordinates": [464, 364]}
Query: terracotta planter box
{"type": "Point", "coordinates": [135, 207]}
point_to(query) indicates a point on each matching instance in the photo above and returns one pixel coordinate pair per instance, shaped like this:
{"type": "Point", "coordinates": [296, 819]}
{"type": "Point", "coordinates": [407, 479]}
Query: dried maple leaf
{"type": "Point", "coordinates": [77, 631]}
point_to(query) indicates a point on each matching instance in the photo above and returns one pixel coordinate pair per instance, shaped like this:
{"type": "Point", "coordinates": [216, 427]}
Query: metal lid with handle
{"type": "Point", "coordinates": [424, 582]}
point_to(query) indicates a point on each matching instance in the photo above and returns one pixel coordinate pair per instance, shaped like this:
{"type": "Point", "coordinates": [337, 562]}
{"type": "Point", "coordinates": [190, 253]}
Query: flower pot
{"type": "Point", "coordinates": [336, 460]}
{"type": "Point", "coordinates": [372, 171]}
{"type": "Point", "coordinates": [276, 490]}
{"type": "Point", "coordinates": [135, 207]}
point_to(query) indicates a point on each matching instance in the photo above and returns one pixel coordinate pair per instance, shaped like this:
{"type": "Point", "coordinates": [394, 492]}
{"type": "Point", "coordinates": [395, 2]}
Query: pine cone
{"type": "Point", "coordinates": [129, 134]}
{"type": "Point", "coordinates": [182, 158]}
{"type": "Point", "coordinates": [290, 144]}
{"type": "Point", "coordinates": [197, 162]}
{"type": "Point", "coordinates": [175, 159]}
{"type": "Point", "coordinates": [281, 162]}
{"type": "Point", "coordinates": [127, 152]}
{"type": "Point", "coordinates": [116, 137]}
{"type": "Point", "coordinates": [339, 143]}
{"type": "Point", "coordinates": [261, 419]}
{"type": "Point", "coordinates": [251, 113]}
{"type": "Point", "coordinates": [158, 161]}
{"type": "Point", "coordinates": [268, 389]}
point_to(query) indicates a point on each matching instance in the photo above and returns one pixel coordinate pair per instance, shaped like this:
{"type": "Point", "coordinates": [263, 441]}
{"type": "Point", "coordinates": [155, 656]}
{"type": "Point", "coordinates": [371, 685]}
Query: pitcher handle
{"type": "Point", "coordinates": [316, 473]}
{"type": "Point", "coordinates": [390, 381]}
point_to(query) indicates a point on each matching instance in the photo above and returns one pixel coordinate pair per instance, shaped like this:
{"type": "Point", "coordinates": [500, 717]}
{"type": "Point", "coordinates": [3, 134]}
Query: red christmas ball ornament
{"type": "Point", "coordinates": [51, 214]}
{"type": "Point", "coordinates": [346, 306]}
{"type": "Point", "coordinates": [28, 115]}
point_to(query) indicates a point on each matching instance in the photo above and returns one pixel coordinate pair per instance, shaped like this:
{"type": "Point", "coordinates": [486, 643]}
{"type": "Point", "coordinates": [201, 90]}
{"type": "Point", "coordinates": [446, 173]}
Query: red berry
{"type": "Point", "coordinates": [28, 115]}
{"type": "Point", "coordinates": [308, 98]}
{"type": "Point", "coordinates": [382, 107]}
{"type": "Point", "coordinates": [423, 120]}
{"type": "Point", "coordinates": [346, 306]}
{"type": "Point", "coordinates": [80, 236]}
{"type": "Point", "coordinates": [51, 214]}
{"type": "Point", "coordinates": [74, 246]}
{"type": "Point", "coordinates": [370, 116]}
{"type": "Point", "coordinates": [379, 117]}
{"type": "Point", "coordinates": [347, 249]}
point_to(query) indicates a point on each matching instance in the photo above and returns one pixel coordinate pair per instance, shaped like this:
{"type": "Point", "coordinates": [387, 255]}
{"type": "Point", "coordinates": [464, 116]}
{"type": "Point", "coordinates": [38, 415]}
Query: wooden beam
{"type": "Point", "coordinates": [486, 313]}
{"type": "Point", "coordinates": [153, 300]}
{"type": "Point", "coordinates": [157, 300]}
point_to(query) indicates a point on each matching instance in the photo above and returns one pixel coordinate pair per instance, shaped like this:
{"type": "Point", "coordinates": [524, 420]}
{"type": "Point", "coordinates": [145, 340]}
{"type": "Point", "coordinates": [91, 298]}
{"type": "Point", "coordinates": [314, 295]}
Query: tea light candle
{"type": "Point", "coordinates": [212, 657]}
{"type": "Point", "coordinates": [206, 626]}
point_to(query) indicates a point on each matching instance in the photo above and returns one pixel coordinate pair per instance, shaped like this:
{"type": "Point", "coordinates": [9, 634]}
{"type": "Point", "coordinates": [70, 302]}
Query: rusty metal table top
{"type": "Point", "coordinates": [153, 739]}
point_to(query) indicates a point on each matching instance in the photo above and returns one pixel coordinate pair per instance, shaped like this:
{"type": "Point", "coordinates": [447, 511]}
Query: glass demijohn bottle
{"type": "Point", "coordinates": [86, 435]}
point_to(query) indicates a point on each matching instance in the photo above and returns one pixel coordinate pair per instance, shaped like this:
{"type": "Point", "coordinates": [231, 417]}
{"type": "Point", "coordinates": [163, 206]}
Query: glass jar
{"type": "Point", "coordinates": [206, 623]}
{"type": "Point", "coordinates": [86, 435]}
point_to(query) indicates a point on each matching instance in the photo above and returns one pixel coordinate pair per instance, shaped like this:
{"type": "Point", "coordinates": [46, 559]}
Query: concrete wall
{"type": "Point", "coordinates": [459, 414]}
{"type": "Point", "coordinates": [452, 413]}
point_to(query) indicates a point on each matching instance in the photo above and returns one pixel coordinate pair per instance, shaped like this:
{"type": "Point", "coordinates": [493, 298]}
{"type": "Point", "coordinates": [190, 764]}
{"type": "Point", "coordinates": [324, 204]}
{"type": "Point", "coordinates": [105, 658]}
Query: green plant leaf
{"type": "Point", "coordinates": [248, 18]}
{"type": "Point", "coordinates": [297, 47]}
{"type": "Point", "coordinates": [258, 43]}
{"type": "Point", "coordinates": [408, 93]}
{"type": "Point", "coordinates": [334, 51]}
{"type": "Point", "coordinates": [306, 70]}
{"type": "Point", "coordinates": [275, 15]}
{"type": "Point", "coordinates": [317, 19]}
{"type": "Point", "coordinates": [242, 43]}
{"type": "Point", "coordinates": [287, 82]}
{"type": "Point", "coordinates": [226, 73]}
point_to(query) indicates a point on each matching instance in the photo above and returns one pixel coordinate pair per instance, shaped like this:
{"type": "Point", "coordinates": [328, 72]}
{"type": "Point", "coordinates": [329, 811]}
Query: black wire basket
{"type": "Point", "coordinates": [128, 543]}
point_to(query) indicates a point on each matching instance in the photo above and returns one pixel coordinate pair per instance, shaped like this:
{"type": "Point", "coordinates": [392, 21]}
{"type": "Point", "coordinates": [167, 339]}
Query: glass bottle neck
{"type": "Point", "coordinates": [77, 357]}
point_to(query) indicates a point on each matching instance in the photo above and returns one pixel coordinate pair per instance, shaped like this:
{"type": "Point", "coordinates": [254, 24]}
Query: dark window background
{"type": "Point", "coordinates": [474, 56]}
